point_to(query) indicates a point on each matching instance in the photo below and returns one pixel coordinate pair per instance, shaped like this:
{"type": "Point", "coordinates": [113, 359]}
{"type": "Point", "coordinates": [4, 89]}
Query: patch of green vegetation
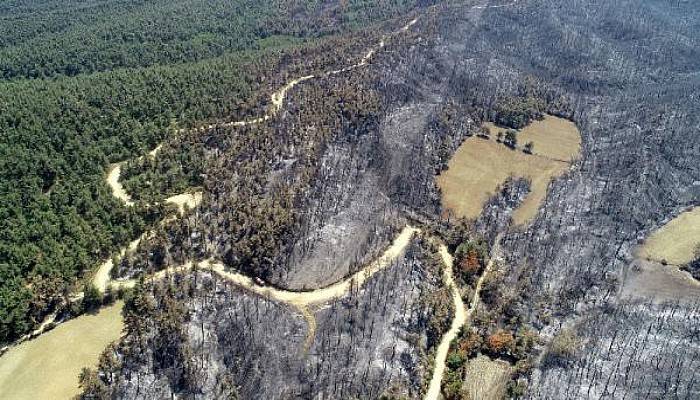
{"type": "Point", "coordinates": [57, 214]}
{"type": "Point", "coordinates": [518, 112]}
{"type": "Point", "coordinates": [165, 65]}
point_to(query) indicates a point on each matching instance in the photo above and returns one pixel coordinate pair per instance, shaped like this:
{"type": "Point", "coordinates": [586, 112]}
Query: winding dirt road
{"type": "Point", "coordinates": [102, 278]}
{"type": "Point", "coordinates": [302, 301]}
{"type": "Point", "coordinates": [114, 174]}
{"type": "Point", "coordinates": [277, 99]}
{"type": "Point", "coordinates": [118, 190]}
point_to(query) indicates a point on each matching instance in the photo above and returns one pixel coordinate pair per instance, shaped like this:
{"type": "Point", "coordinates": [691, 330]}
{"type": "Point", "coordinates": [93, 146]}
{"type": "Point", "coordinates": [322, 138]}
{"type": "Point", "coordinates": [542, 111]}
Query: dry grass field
{"type": "Point", "coordinates": [480, 166]}
{"type": "Point", "coordinates": [486, 379]}
{"type": "Point", "coordinates": [676, 241]}
{"type": "Point", "coordinates": [555, 138]}
{"type": "Point", "coordinates": [47, 367]}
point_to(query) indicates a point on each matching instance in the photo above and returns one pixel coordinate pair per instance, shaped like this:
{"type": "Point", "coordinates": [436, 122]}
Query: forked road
{"type": "Point", "coordinates": [462, 315]}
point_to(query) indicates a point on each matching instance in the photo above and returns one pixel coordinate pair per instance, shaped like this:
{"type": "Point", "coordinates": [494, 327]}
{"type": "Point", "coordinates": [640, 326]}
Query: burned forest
{"type": "Point", "coordinates": [457, 200]}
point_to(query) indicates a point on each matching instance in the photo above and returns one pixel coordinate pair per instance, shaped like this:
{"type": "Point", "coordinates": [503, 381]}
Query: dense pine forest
{"type": "Point", "coordinates": [46, 39]}
{"type": "Point", "coordinates": [89, 83]}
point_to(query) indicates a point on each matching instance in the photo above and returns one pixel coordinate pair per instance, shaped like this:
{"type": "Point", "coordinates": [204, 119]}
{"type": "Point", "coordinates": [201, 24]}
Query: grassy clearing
{"type": "Point", "coordinates": [486, 379]}
{"type": "Point", "coordinates": [479, 166]}
{"type": "Point", "coordinates": [675, 242]}
{"type": "Point", "coordinates": [554, 138]}
{"type": "Point", "coordinates": [47, 367]}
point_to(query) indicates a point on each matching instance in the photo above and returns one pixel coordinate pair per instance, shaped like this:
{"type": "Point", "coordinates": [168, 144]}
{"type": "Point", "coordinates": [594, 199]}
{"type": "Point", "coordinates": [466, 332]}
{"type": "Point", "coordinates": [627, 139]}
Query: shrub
{"type": "Point", "coordinates": [525, 341]}
{"type": "Point", "coordinates": [454, 361]}
{"type": "Point", "coordinates": [92, 298]}
{"type": "Point", "coordinates": [517, 388]}
{"type": "Point", "coordinates": [452, 385]}
{"type": "Point", "coordinates": [484, 132]}
{"type": "Point", "coordinates": [511, 139]}
{"type": "Point", "coordinates": [470, 344]}
{"type": "Point", "coordinates": [563, 348]}
{"type": "Point", "coordinates": [500, 343]}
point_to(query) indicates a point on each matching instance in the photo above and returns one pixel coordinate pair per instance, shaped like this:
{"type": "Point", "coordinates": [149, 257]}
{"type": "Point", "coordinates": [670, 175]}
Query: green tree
{"type": "Point", "coordinates": [511, 139]}
{"type": "Point", "coordinates": [14, 309]}
{"type": "Point", "coordinates": [92, 298]}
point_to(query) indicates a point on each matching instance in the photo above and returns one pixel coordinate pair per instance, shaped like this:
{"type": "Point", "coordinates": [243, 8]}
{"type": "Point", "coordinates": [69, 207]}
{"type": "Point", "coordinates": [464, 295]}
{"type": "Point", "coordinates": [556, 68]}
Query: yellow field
{"type": "Point", "coordinates": [47, 367]}
{"type": "Point", "coordinates": [479, 166]}
{"type": "Point", "coordinates": [676, 241]}
{"type": "Point", "coordinates": [554, 138]}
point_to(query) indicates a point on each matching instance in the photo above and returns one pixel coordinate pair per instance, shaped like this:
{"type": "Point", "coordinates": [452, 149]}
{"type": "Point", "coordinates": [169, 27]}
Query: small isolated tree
{"type": "Point", "coordinates": [92, 298]}
{"type": "Point", "coordinates": [484, 132]}
{"type": "Point", "coordinates": [511, 139]}
{"type": "Point", "coordinates": [529, 146]}
{"type": "Point", "coordinates": [500, 343]}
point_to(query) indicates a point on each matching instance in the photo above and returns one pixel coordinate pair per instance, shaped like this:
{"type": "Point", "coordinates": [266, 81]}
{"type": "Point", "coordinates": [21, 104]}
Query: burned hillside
{"type": "Point", "coordinates": [316, 192]}
{"type": "Point", "coordinates": [199, 335]}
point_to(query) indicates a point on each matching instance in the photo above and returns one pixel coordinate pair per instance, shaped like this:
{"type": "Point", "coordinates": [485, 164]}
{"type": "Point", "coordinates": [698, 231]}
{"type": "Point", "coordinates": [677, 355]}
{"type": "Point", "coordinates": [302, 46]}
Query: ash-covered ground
{"type": "Point", "coordinates": [198, 335]}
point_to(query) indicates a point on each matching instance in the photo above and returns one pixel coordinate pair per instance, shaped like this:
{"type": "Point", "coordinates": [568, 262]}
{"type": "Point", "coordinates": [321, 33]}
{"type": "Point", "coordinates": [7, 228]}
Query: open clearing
{"type": "Point", "coordinates": [676, 241]}
{"type": "Point", "coordinates": [554, 138]}
{"type": "Point", "coordinates": [48, 366]}
{"type": "Point", "coordinates": [650, 279]}
{"type": "Point", "coordinates": [480, 166]}
{"type": "Point", "coordinates": [485, 379]}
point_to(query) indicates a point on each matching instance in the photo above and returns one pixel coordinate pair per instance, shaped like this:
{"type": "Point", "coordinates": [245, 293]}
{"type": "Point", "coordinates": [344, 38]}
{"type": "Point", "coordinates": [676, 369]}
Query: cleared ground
{"type": "Point", "coordinates": [676, 241]}
{"type": "Point", "coordinates": [48, 366]}
{"type": "Point", "coordinates": [480, 166]}
{"type": "Point", "coordinates": [650, 279]}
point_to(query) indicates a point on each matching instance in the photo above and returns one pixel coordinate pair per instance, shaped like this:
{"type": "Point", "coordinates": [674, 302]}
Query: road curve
{"type": "Point", "coordinates": [303, 301]}
{"type": "Point", "coordinates": [118, 190]}
{"type": "Point", "coordinates": [459, 320]}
